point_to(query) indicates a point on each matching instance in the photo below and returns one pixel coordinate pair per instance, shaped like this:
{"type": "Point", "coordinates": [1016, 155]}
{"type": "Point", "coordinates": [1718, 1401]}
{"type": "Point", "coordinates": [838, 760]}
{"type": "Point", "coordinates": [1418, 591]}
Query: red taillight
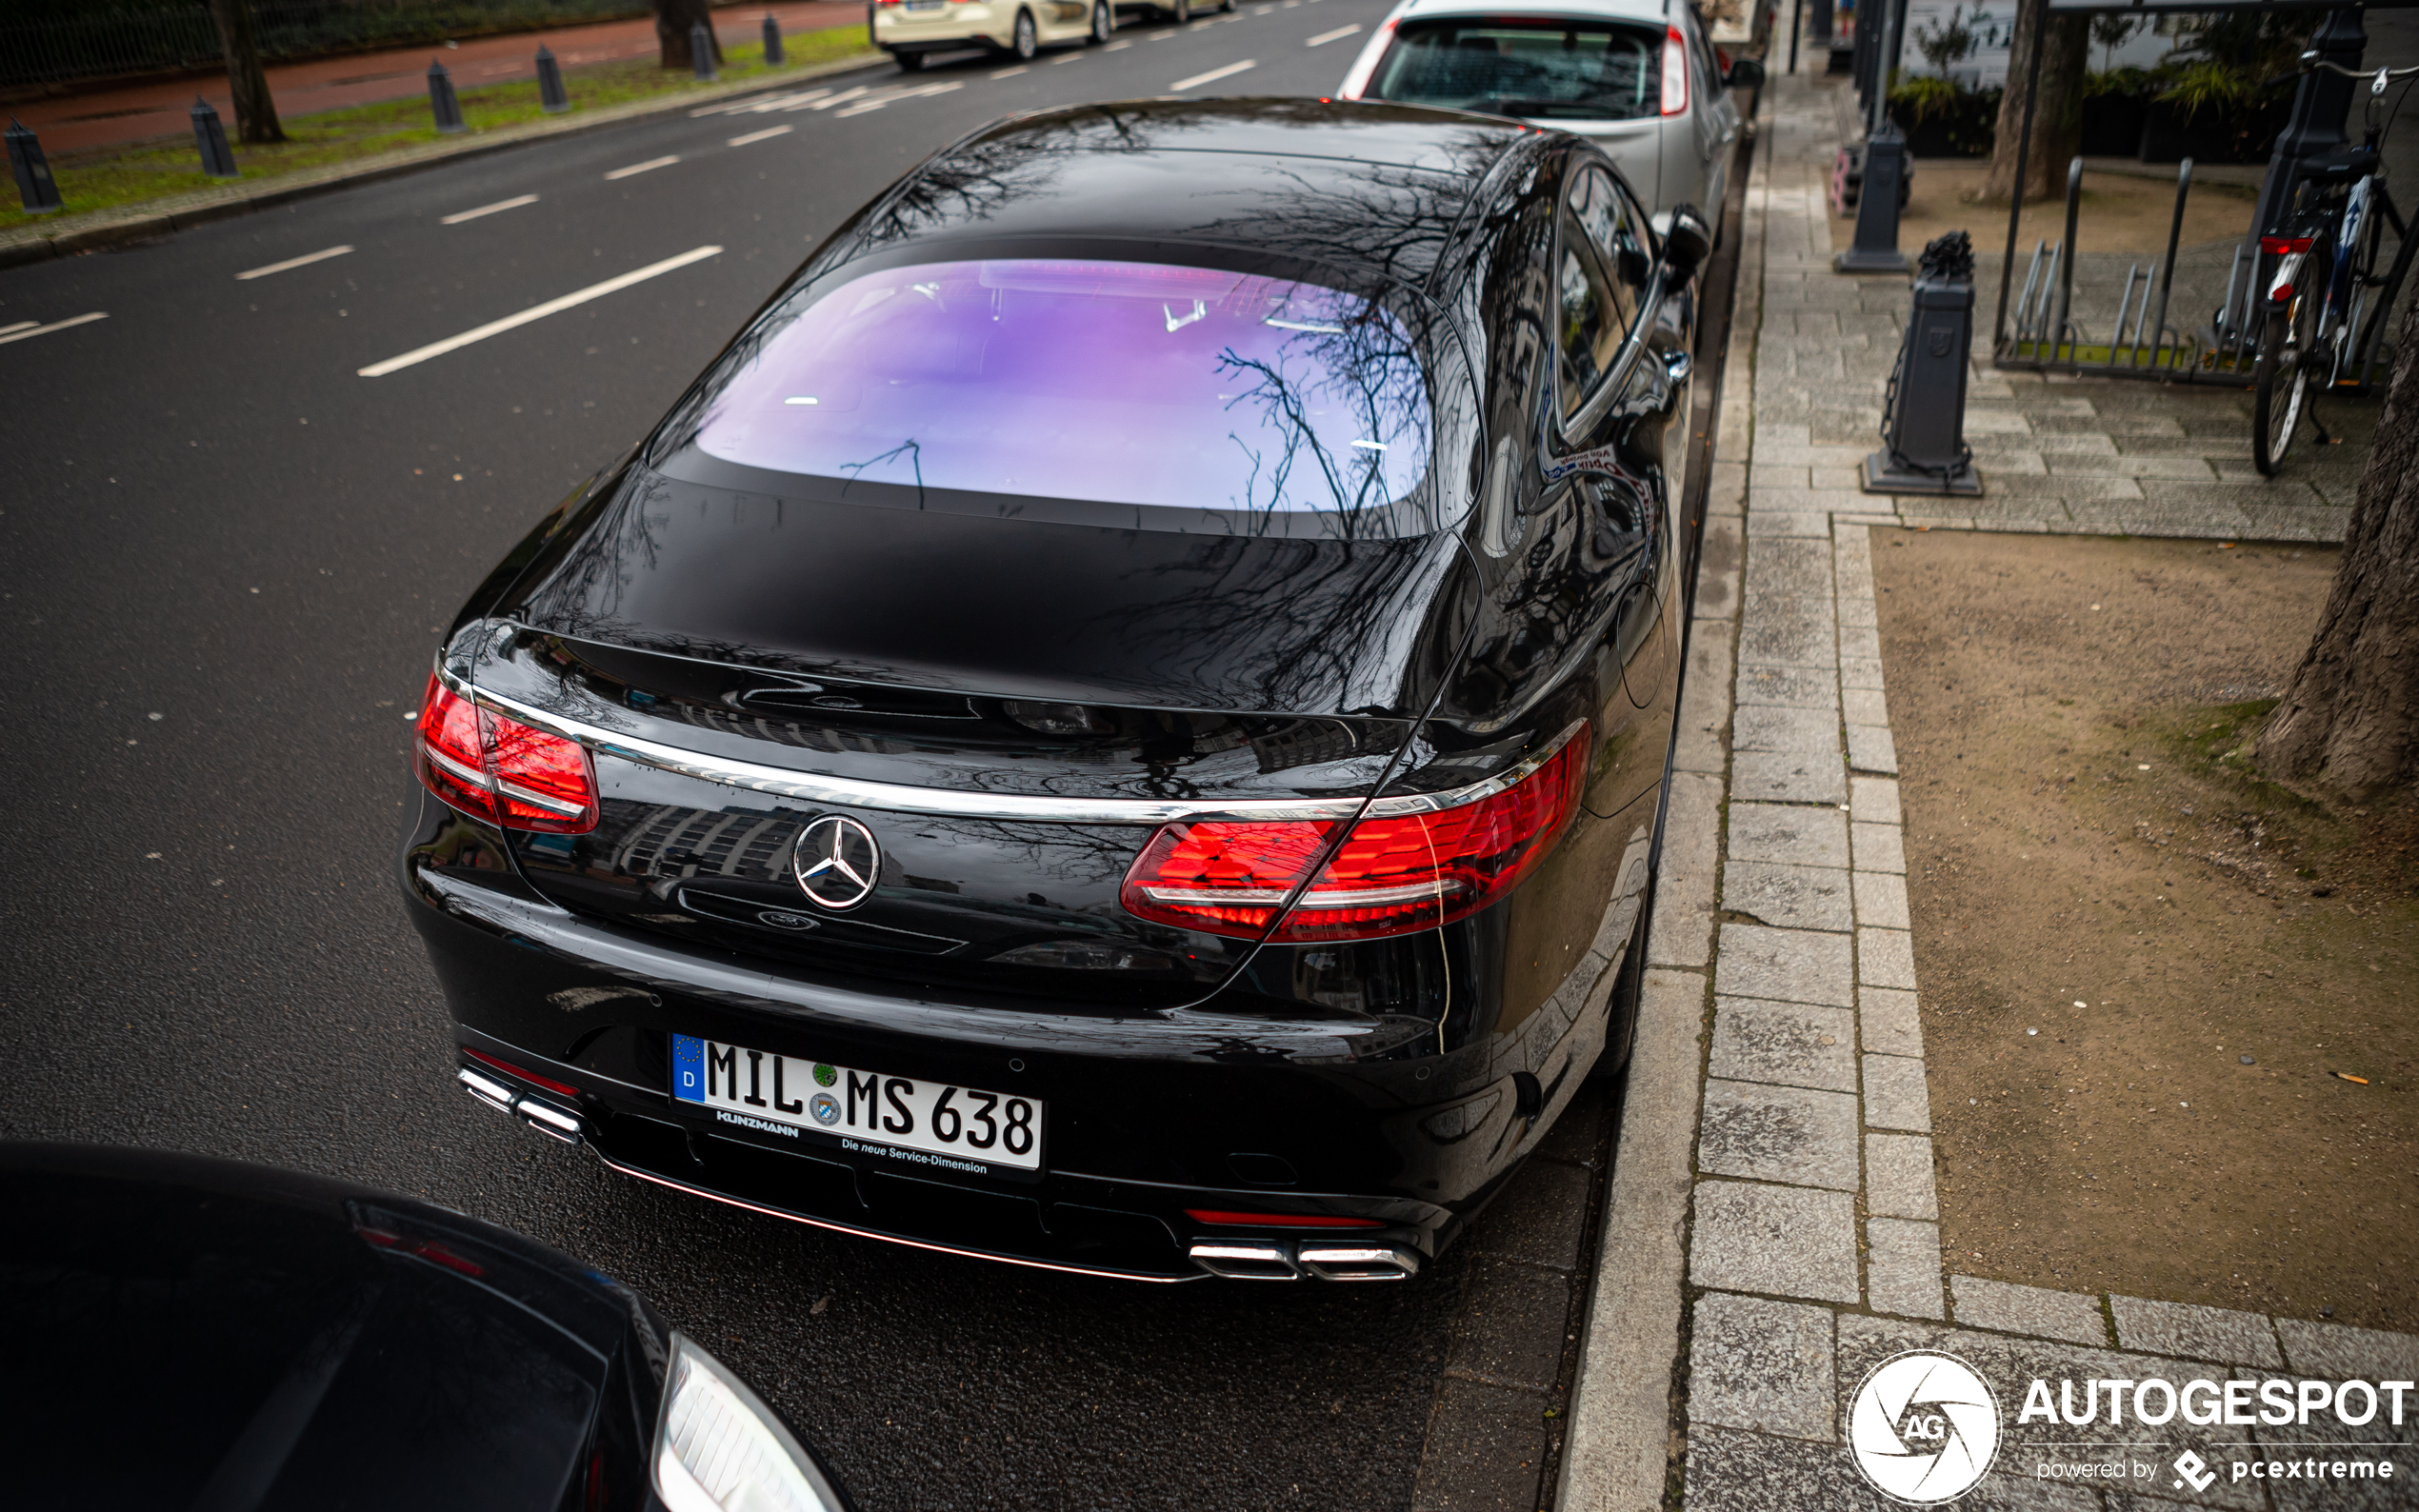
{"type": "Point", "coordinates": [2282, 244]}
{"type": "Point", "coordinates": [1393, 875]}
{"type": "Point", "coordinates": [487, 764]}
{"type": "Point", "coordinates": [1223, 1220]}
{"type": "Point", "coordinates": [531, 1076]}
{"type": "Point", "coordinates": [1675, 71]}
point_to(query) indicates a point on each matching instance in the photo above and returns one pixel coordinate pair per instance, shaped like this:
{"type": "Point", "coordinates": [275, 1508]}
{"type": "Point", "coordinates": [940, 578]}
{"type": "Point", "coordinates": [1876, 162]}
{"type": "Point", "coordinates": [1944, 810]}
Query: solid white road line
{"type": "Point", "coordinates": [18, 324]}
{"type": "Point", "coordinates": [1214, 75]}
{"type": "Point", "coordinates": [641, 168]}
{"type": "Point", "coordinates": [1336, 35]}
{"type": "Point", "coordinates": [459, 216]}
{"type": "Point", "coordinates": [552, 306]}
{"type": "Point", "coordinates": [20, 333]}
{"type": "Point", "coordinates": [320, 256]}
{"type": "Point", "coordinates": [765, 135]}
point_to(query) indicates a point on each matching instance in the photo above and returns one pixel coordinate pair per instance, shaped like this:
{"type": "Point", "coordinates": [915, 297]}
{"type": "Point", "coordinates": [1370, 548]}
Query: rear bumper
{"type": "Point", "coordinates": [1145, 1117]}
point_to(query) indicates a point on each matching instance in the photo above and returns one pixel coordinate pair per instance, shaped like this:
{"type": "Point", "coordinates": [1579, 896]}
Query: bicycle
{"type": "Point", "coordinates": [2330, 326]}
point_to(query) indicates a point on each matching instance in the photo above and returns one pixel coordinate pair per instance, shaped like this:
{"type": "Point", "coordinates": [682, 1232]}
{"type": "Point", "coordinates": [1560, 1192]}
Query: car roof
{"type": "Point", "coordinates": [1338, 182]}
{"type": "Point", "coordinates": [1650, 12]}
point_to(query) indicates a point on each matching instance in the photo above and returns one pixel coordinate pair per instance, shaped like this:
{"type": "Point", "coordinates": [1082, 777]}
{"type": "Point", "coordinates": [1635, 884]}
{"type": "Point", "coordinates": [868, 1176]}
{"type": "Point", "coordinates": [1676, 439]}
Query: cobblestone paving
{"type": "Point", "coordinates": [1773, 1229]}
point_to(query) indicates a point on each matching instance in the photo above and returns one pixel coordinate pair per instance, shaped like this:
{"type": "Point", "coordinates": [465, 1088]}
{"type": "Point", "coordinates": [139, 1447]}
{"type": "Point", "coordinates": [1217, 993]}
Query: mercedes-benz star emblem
{"type": "Point", "coordinates": [838, 862]}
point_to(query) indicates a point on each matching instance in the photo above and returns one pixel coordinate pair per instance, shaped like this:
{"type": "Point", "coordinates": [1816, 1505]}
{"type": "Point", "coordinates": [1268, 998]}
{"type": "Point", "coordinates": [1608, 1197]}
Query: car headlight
{"type": "Point", "coordinates": [719, 1448]}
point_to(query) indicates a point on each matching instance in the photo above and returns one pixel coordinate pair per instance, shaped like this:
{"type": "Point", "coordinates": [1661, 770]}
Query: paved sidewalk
{"type": "Point", "coordinates": [75, 122]}
{"type": "Point", "coordinates": [1772, 1231]}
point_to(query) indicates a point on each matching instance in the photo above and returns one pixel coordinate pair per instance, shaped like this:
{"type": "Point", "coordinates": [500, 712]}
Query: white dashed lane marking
{"type": "Point", "coordinates": [1336, 35]}
{"type": "Point", "coordinates": [513, 204]}
{"type": "Point", "coordinates": [26, 328]}
{"type": "Point", "coordinates": [1214, 75]}
{"type": "Point", "coordinates": [765, 135]}
{"type": "Point", "coordinates": [649, 165]}
{"type": "Point", "coordinates": [552, 306]}
{"type": "Point", "coordinates": [1008, 73]}
{"type": "Point", "coordinates": [303, 261]}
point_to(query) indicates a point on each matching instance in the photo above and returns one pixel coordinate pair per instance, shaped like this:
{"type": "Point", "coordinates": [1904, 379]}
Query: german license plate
{"type": "Point", "coordinates": [928, 1124]}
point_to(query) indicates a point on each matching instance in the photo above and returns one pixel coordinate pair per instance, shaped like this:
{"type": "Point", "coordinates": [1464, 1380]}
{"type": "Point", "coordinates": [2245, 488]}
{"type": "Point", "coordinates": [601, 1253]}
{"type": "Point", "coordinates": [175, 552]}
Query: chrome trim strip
{"type": "Point", "coordinates": [612, 1163]}
{"type": "Point", "coordinates": [851, 793]}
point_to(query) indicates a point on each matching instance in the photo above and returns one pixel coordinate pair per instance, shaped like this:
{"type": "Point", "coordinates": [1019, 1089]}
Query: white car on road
{"type": "Point", "coordinates": [1636, 76]}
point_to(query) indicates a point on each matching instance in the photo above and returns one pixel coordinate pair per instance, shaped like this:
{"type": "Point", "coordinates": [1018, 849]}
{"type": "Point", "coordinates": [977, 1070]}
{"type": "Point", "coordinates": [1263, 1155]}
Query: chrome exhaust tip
{"type": "Point", "coordinates": [494, 1093]}
{"type": "Point", "coordinates": [547, 1119]}
{"type": "Point", "coordinates": [1358, 1262]}
{"type": "Point", "coordinates": [1248, 1262]}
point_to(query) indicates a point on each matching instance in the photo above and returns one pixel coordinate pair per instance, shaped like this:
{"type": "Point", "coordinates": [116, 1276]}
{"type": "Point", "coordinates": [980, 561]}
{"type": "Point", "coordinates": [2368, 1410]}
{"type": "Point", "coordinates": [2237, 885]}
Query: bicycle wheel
{"type": "Point", "coordinates": [2377, 308]}
{"type": "Point", "coordinates": [2286, 351]}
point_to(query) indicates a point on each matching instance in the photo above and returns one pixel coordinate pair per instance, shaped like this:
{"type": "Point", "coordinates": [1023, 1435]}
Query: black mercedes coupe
{"type": "Point", "coordinates": [1121, 725]}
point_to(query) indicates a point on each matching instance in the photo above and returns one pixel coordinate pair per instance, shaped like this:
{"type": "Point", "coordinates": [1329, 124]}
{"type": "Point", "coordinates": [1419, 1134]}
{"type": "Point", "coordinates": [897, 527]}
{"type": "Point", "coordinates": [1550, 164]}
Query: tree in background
{"type": "Point", "coordinates": [2349, 721]}
{"type": "Point", "coordinates": [2113, 32]}
{"type": "Point", "coordinates": [2057, 118]}
{"type": "Point", "coordinates": [255, 112]}
{"type": "Point", "coordinates": [673, 20]}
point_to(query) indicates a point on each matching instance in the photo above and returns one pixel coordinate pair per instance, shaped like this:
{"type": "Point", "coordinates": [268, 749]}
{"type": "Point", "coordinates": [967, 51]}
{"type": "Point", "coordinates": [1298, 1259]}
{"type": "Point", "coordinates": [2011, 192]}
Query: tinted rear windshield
{"type": "Point", "coordinates": [1504, 66]}
{"type": "Point", "coordinates": [1127, 383]}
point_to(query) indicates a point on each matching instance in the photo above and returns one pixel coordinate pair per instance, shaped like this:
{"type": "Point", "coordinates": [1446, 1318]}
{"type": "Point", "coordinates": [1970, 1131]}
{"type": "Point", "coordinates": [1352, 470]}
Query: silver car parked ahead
{"type": "Point", "coordinates": [1636, 76]}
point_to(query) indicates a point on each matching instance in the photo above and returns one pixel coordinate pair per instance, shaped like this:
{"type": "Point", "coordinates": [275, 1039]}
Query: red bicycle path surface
{"type": "Point", "coordinates": [157, 108]}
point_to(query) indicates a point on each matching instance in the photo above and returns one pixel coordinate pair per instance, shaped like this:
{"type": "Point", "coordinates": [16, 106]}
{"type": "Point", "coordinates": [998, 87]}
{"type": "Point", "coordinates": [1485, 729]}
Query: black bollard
{"type": "Point", "coordinates": [774, 57]}
{"type": "Point", "coordinates": [552, 98]}
{"type": "Point", "coordinates": [701, 50]}
{"type": "Point", "coordinates": [1924, 447]}
{"type": "Point", "coordinates": [442, 102]}
{"type": "Point", "coordinates": [1876, 247]}
{"type": "Point", "coordinates": [36, 190]}
{"type": "Point", "coordinates": [210, 136]}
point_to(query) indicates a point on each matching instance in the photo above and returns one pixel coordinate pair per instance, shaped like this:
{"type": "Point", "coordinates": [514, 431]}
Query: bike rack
{"type": "Point", "coordinates": [2046, 336]}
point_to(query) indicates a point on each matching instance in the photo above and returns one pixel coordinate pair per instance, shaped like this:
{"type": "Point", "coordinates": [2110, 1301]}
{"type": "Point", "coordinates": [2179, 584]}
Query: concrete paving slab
{"type": "Point", "coordinates": [1791, 1134]}
{"type": "Point", "coordinates": [1755, 1363]}
{"type": "Point", "coordinates": [1781, 777]}
{"type": "Point", "coordinates": [1878, 847]}
{"type": "Point", "coordinates": [1887, 1021]}
{"type": "Point", "coordinates": [1881, 900]}
{"type": "Point", "coordinates": [1790, 686]}
{"type": "Point", "coordinates": [1785, 965]}
{"type": "Point", "coordinates": [1775, 727]}
{"type": "Point", "coordinates": [2010, 1309]}
{"type": "Point", "coordinates": [1902, 1267]}
{"type": "Point", "coordinates": [2338, 1352]}
{"type": "Point", "coordinates": [1894, 1094]}
{"type": "Point", "coordinates": [1873, 800]}
{"type": "Point", "coordinates": [1886, 958]}
{"type": "Point", "coordinates": [1788, 897]}
{"type": "Point", "coordinates": [1898, 1177]}
{"type": "Point", "coordinates": [1788, 833]}
{"type": "Point", "coordinates": [2200, 1333]}
{"type": "Point", "coordinates": [1778, 1241]}
{"type": "Point", "coordinates": [1787, 1044]}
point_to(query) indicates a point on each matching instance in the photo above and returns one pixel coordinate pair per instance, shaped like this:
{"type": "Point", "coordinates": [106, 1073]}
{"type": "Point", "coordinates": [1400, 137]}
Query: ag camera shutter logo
{"type": "Point", "coordinates": [1922, 1428]}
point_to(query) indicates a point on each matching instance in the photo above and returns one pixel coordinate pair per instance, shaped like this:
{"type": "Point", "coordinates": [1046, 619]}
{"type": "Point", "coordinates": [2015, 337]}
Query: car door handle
{"type": "Point", "coordinates": [1677, 365]}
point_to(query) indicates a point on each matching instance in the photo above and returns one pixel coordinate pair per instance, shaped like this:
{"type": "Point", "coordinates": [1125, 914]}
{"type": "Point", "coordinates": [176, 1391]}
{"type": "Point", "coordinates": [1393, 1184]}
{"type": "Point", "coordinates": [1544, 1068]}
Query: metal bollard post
{"type": "Point", "coordinates": [209, 134]}
{"type": "Point", "coordinates": [1924, 447]}
{"type": "Point", "coordinates": [774, 57]}
{"type": "Point", "coordinates": [36, 190]}
{"type": "Point", "coordinates": [1876, 247]}
{"type": "Point", "coordinates": [442, 102]}
{"type": "Point", "coordinates": [701, 50]}
{"type": "Point", "coordinates": [552, 97]}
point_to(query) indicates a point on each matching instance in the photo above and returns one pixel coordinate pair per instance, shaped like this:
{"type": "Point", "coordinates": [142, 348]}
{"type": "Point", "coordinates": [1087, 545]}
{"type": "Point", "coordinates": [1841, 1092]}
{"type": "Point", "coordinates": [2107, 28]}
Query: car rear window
{"type": "Point", "coordinates": [1514, 66]}
{"type": "Point", "coordinates": [1138, 384]}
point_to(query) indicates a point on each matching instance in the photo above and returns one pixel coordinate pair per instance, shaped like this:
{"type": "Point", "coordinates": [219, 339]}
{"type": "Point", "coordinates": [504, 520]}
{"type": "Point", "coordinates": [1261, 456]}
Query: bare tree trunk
{"type": "Point", "coordinates": [255, 112]}
{"type": "Point", "coordinates": [2349, 721]}
{"type": "Point", "coordinates": [2057, 119]}
{"type": "Point", "coordinates": [673, 20]}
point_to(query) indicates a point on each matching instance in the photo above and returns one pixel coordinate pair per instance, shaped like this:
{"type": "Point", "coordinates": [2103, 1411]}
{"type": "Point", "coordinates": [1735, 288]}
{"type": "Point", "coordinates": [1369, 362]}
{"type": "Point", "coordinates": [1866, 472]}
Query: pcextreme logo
{"type": "Point", "coordinates": [1924, 1427]}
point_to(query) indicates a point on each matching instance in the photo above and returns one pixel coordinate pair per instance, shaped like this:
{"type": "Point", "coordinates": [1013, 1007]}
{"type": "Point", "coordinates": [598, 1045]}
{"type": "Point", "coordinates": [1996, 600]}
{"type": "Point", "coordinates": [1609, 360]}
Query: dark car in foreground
{"type": "Point", "coordinates": [203, 1334]}
{"type": "Point", "coordinates": [1121, 725]}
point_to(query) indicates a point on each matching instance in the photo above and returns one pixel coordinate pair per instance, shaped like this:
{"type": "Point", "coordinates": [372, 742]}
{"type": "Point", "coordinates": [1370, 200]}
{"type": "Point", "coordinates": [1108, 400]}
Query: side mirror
{"type": "Point", "coordinates": [1746, 73]}
{"type": "Point", "coordinates": [1687, 244]}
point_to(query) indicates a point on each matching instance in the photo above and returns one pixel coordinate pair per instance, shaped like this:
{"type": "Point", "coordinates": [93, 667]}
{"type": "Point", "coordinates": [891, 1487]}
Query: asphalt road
{"type": "Point", "coordinates": [224, 556]}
